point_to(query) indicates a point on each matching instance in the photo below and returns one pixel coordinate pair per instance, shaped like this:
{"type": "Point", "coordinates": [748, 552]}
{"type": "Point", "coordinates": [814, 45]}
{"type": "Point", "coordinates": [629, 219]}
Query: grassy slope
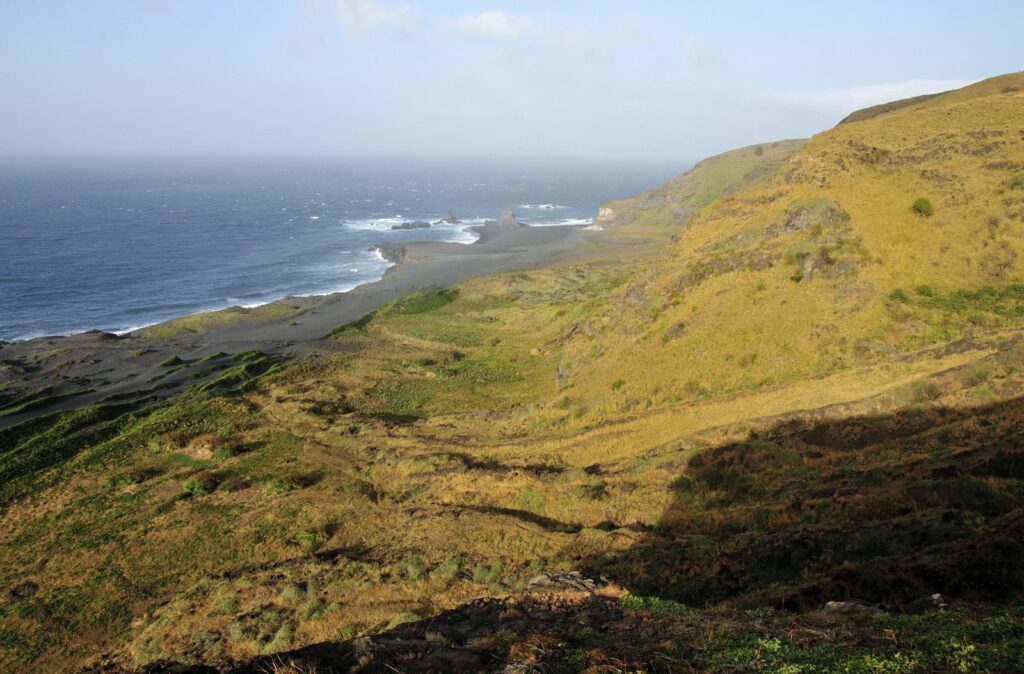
{"type": "Point", "coordinates": [458, 442]}
{"type": "Point", "coordinates": [742, 303]}
{"type": "Point", "coordinates": [660, 211]}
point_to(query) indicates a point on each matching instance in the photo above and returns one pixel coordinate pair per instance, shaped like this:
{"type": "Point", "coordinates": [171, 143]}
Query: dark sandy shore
{"type": "Point", "coordinates": [69, 372]}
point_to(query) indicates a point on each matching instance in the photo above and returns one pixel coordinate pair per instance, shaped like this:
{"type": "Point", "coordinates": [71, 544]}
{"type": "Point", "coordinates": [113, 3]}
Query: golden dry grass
{"type": "Point", "coordinates": [534, 419]}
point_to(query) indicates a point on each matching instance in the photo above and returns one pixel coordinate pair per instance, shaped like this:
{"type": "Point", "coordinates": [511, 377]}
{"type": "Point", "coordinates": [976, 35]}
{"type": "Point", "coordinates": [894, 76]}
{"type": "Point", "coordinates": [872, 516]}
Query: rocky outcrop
{"type": "Point", "coordinates": [416, 224]}
{"type": "Point", "coordinates": [392, 252]}
{"type": "Point", "coordinates": [507, 219]}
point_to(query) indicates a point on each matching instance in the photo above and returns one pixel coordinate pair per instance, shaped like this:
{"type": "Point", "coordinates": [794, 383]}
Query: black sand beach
{"type": "Point", "coordinates": [62, 373]}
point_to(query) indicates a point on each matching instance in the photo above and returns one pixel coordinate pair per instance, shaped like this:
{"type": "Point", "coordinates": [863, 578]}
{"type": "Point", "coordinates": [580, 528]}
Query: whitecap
{"type": "Point", "coordinates": [565, 222]}
{"type": "Point", "coordinates": [376, 223]}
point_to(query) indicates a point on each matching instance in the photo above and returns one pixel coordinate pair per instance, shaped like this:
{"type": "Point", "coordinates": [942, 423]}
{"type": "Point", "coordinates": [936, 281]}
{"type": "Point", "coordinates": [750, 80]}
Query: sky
{"type": "Point", "coordinates": [594, 79]}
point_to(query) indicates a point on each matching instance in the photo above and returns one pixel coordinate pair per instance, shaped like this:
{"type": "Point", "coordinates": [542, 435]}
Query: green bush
{"type": "Point", "coordinates": [200, 484]}
{"type": "Point", "coordinates": [412, 568]}
{"type": "Point", "coordinates": [278, 487]}
{"type": "Point", "coordinates": [681, 483]}
{"type": "Point", "coordinates": [225, 452]}
{"type": "Point", "coordinates": [923, 206]}
{"type": "Point", "coordinates": [311, 541]}
{"type": "Point", "coordinates": [291, 594]}
{"type": "Point", "coordinates": [448, 569]}
{"type": "Point", "coordinates": [900, 295]}
{"type": "Point", "coordinates": [486, 575]}
{"type": "Point", "coordinates": [655, 606]}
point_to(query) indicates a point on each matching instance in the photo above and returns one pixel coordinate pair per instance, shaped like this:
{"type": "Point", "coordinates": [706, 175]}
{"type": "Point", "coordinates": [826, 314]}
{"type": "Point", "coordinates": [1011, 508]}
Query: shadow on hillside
{"type": "Point", "coordinates": [887, 508]}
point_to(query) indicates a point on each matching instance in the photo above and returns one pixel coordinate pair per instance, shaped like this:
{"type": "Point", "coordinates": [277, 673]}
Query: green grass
{"type": "Point", "coordinates": [655, 606]}
{"type": "Point", "coordinates": [416, 303]}
{"type": "Point", "coordinates": [242, 377]}
{"type": "Point", "coordinates": [37, 400]}
{"type": "Point", "coordinates": [938, 642]}
{"type": "Point", "coordinates": [923, 206]}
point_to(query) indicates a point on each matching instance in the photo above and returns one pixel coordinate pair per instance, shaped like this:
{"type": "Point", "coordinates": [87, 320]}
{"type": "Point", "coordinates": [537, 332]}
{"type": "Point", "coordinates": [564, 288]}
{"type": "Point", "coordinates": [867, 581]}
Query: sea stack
{"type": "Point", "coordinates": [508, 219]}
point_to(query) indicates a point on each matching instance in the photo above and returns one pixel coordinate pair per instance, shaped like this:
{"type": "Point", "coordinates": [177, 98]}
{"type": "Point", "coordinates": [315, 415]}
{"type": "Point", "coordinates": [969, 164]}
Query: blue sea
{"type": "Point", "coordinates": [119, 245]}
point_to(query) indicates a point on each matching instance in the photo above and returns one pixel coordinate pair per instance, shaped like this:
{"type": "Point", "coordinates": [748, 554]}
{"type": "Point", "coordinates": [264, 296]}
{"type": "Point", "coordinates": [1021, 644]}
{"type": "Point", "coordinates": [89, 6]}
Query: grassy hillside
{"type": "Point", "coordinates": [826, 264]}
{"type": "Point", "coordinates": [807, 391]}
{"type": "Point", "coordinates": [664, 210]}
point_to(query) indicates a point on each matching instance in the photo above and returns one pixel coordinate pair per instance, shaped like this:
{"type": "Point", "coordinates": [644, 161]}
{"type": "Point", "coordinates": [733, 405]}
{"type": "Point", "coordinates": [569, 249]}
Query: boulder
{"type": "Point", "coordinates": [933, 602]}
{"type": "Point", "coordinates": [572, 580]}
{"type": "Point", "coordinates": [851, 607]}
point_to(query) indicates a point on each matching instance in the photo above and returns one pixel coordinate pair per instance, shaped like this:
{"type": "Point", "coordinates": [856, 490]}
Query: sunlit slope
{"type": "Point", "coordinates": [826, 262]}
{"type": "Point", "coordinates": [766, 383]}
{"type": "Point", "coordinates": [665, 210]}
{"type": "Point", "coordinates": [238, 519]}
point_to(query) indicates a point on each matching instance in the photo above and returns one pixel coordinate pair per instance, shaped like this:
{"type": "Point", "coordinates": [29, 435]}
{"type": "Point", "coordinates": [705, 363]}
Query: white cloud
{"type": "Point", "coordinates": [495, 26]}
{"type": "Point", "coordinates": [367, 16]}
{"type": "Point", "coordinates": [848, 99]}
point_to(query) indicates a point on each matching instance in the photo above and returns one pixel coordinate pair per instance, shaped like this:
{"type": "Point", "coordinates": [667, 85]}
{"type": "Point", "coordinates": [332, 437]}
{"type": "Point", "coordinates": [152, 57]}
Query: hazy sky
{"type": "Point", "coordinates": [591, 78]}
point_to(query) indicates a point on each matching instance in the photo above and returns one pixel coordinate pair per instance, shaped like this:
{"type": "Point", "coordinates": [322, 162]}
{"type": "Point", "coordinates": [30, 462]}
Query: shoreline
{"type": "Point", "coordinates": [63, 372]}
{"type": "Point", "coordinates": [392, 253]}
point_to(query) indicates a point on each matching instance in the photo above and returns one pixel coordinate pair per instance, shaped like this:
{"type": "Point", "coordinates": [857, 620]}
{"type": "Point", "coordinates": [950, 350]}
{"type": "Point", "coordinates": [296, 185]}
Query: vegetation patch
{"type": "Point", "coordinates": [923, 206]}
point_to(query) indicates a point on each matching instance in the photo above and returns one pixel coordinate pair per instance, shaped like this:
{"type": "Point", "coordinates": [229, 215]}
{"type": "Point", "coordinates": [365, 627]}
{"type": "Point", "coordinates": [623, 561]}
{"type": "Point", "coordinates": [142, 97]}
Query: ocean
{"type": "Point", "coordinates": [120, 245]}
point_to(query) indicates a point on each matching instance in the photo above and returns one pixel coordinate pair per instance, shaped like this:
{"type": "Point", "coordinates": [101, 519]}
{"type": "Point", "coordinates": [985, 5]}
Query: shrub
{"type": "Point", "coordinates": [200, 484]}
{"type": "Point", "coordinates": [618, 383]}
{"type": "Point", "coordinates": [226, 452]}
{"type": "Point", "coordinates": [655, 606]}
{"type": "Point", "coordinates": [311, 541]}
{"type": "Point", "coordinates": [448, 569]}
{"type": "Point", "coordinates": [530, 500]}
{"type": "Point", "coordinates": [900, 295]}
{"type": "Point", "coordinates": [681, 483]}
{"type": "Point", "coordinates": [412, 568]}
{"type": "Point", "coordinates": [278, 487]}
{"type": "Point", "coordinates": [226, 605]}
{"type": "Point", "coordinates": [923, 206]}
{"type": "Point", "coordinates": [978, 374]}
{"type": "Point", "coordinates": [282, 639]}
{"type": "Point", "coordinates": [135, 475]}
{"type": "Point", "coordinates": [292, 594]}
{"type": "Point", "coordinates": [486, 575]}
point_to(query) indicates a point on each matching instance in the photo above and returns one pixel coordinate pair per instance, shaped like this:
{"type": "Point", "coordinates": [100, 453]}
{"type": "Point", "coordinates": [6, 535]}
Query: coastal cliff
{"type": "Point", "coordinates": [763, 421]}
